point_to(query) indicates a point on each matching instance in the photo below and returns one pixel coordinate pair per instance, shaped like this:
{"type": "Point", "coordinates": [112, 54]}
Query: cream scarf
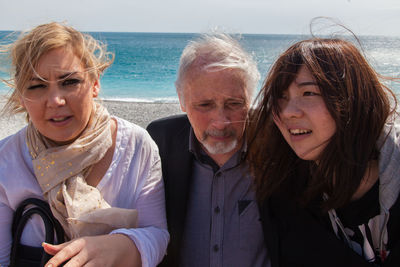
{"type": "Point", "coordinates": [61, 172]}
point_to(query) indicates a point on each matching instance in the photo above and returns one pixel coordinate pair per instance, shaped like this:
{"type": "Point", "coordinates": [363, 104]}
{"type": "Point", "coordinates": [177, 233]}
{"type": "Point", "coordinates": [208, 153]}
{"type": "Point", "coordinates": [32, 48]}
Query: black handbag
{"type": "Point", "coordinates": [22, 255]}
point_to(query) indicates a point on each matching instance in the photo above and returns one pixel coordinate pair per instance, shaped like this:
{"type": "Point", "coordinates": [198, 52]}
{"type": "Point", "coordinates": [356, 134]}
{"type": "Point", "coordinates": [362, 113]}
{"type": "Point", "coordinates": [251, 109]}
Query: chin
{"type": "Point", "coordinates": [221, 148]}
{"type": "Point", "coordinates": [62, 140]}
{"type": "Point", "coordinates": [307, 157]}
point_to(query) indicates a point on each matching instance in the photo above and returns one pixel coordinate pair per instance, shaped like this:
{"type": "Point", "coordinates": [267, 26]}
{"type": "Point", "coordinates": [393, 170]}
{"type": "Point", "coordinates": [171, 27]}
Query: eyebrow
{"type": "Point", "coordinates": [236, 99]}
{"type": "Point", "coordinates": [61, 77]}
{"type": "Point", "coordinates": [307, 83]}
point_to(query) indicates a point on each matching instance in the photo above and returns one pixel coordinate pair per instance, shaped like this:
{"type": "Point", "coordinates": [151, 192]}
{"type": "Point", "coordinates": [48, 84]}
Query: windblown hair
{"type": "Point", "coordinates": [358, 102]}
{"type": "Point", "coordinates": [26, 52]}
{"type": "Point", "coordinates": [215, 52]}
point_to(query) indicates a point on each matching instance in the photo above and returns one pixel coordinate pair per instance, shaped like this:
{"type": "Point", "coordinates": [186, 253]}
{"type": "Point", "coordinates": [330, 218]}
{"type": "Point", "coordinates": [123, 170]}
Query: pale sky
{"type": "Point", "coordinates": [364, 17]}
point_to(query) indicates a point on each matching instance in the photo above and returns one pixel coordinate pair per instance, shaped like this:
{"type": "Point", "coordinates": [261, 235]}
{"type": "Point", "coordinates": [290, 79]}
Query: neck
{"type": "Point", "coordinates": [370, 177]}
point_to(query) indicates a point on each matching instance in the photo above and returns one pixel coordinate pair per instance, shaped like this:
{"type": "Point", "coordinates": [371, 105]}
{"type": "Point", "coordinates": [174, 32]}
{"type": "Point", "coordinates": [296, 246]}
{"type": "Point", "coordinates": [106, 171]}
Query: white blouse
{"type": "Point", "coordinates": [133, 180]}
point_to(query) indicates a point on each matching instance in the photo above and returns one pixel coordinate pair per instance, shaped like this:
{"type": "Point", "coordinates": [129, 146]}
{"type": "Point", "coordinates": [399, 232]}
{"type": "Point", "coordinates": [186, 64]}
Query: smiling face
{"type": "Point", "coordinates": [216, 104]}
{"type": "Point", "coordinates": [59, 96]}
{"type": "Point", "coordinates": [304, 120]}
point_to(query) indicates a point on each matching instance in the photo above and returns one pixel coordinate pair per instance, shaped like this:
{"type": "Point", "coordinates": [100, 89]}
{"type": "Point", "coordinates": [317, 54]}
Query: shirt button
{"type": "Point", "coordinates": [216, 248]}
{"type": "Point", "coordinates": [217, 209]}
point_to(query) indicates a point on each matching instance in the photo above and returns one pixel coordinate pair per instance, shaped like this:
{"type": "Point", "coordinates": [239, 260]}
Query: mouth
{"type": "Point", "coordinates": [60, 119]}
{"type": "Point", "coordinates": [298, 132]}
{"type": "Point", "coordinates": [219, 134]}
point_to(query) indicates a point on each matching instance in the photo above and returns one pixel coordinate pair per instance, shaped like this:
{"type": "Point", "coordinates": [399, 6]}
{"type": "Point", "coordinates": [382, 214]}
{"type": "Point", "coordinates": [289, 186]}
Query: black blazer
{"type": "Point", "coordinates": [172, 137]}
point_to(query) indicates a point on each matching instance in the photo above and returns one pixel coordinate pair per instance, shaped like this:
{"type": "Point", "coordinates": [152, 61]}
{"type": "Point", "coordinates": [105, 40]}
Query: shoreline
{"type": "Point", "coordinates": [140, 113]}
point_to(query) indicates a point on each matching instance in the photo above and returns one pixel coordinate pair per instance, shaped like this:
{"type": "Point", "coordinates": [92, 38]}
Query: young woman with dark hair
{"type": "Point", "coordinates": [324, 149]}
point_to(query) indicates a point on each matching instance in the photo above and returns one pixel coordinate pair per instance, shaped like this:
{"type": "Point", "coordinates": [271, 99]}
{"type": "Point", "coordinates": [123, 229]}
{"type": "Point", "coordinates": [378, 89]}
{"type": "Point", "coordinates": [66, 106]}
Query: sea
{"type": "Point", "coordinates": [145, 64]}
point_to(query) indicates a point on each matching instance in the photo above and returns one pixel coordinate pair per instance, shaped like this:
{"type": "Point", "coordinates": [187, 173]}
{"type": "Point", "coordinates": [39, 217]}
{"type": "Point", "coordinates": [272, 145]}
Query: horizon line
{"type": "Point", "coordinates": [194, 33]}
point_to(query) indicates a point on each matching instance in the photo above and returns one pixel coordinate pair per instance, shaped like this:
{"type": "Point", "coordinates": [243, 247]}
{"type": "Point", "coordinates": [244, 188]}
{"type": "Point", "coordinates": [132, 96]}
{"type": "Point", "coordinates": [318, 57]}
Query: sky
{"type": "Point", "coordinates": [363, 17]}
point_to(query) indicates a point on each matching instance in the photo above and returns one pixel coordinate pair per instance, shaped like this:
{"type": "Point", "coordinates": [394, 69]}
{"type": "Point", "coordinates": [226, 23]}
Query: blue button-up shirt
{"type": "Point", "coordinates": [222, 225]}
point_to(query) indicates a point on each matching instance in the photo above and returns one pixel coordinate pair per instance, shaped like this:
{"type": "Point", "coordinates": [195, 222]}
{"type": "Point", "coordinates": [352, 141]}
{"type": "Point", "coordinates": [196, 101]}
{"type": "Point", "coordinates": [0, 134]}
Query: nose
{"type": "Point", "coordinates": [291, 108]}
{"type": "Point", "coordinates": [55, 97]}
{"type": "Point", "coordinates": [220, 119]}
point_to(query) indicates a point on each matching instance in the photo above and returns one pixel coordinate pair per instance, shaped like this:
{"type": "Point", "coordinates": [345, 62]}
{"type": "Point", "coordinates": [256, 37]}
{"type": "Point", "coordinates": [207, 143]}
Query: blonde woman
{"type": "Point", "coordinates": [99, 174]}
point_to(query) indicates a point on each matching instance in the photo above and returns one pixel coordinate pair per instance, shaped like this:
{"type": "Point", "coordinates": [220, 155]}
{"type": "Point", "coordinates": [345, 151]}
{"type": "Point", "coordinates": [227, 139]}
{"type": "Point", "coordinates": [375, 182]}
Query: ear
{"type": "Point", "coordinates": [180, 94]}
{"type": "Point", "coordinates": [182, 102]}
{"type": "Point", "coordinates": [21, 102]}
{"type": "Point", "coordinates": [96, 88]}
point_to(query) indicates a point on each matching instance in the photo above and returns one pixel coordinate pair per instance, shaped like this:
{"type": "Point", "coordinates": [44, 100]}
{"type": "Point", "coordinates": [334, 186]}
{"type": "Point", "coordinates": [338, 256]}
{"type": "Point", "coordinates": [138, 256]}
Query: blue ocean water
{"type": "Point", "coordinates": [145, 64]}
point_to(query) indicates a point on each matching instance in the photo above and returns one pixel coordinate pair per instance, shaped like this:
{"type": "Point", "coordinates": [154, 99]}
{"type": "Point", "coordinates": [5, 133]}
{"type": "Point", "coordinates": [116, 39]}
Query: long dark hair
{"type": "Point", "coordinates": [357, 101]}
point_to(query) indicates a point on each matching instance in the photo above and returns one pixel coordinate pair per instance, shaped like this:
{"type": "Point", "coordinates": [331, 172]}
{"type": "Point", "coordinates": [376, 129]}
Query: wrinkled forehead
{"type": "Point", "coordinates": [58, 62]}
{"type": "Point", "coordinates": [219, 82]}
{"type": "Point", "coordinates": [60, 59]}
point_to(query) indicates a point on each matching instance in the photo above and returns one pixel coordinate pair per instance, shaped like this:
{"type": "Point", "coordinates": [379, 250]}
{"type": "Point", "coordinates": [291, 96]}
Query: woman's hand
{"type": "Point", "coordinates": [104, 250]}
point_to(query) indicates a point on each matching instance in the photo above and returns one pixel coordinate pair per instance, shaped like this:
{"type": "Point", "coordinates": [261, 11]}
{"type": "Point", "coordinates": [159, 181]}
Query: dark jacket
{"type": "Point", "coordinates": [294, 238]}
{"type": "Point", "coordinates": [172, 137]}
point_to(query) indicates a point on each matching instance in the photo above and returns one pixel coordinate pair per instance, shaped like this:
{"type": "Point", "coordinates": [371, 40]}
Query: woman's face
{"type": "Point", "coordinates": [59, 96]}
{"type": "Point", "coordinates": [304, 120]}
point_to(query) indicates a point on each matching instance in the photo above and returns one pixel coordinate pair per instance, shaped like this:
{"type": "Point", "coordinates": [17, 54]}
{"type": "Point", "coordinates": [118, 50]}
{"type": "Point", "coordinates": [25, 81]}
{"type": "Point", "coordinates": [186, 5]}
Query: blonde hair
{"type": "Point", "coordinates": [31, 45]}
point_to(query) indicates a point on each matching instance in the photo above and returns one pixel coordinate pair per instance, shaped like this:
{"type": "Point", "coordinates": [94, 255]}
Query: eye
{"type": "Point", "coordinates": [309, 93]}
{"type": "Point", "coordinates": [71, 82]}
{"type": "Point", "coordinates": [36, 86]}
{"type": "Point", "coordinates": [235, 104]}
{"type": "Point", "coordinates": [204, 106]}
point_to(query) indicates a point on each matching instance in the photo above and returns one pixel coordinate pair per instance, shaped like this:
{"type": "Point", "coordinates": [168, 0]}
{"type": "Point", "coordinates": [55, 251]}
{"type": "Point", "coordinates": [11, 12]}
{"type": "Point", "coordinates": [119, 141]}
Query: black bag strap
{"type": "Point", "coordinates": [21, 217]}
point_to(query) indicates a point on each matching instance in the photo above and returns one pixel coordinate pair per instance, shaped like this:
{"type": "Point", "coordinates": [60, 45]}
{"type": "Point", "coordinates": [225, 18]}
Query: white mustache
{"type": "Point", "coordinates": [230, 122]}
{"type": "Point", "coordinates": [219, 133]}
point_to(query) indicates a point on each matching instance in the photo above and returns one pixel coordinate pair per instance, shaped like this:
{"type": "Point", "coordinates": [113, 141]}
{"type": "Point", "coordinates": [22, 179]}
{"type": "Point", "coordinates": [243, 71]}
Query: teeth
{"type": "Point", "coordinates": [59, 119]}
{"type": "Point", "coordinates": [299, 131]}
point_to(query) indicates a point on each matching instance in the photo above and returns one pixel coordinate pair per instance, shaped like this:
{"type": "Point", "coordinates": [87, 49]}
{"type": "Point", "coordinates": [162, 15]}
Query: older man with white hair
{"type": "Point", "coordinates": [212, 214]}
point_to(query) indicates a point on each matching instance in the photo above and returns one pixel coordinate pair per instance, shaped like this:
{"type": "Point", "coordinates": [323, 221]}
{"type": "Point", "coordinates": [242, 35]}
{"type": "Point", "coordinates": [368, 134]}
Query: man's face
{"type": "Point", "coordinates": [216, 104]}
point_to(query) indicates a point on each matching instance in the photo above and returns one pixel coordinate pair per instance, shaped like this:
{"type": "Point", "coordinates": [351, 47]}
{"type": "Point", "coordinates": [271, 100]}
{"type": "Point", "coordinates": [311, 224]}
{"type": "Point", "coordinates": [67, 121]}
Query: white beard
{"type": "Point", "coordinates": [220, 147]}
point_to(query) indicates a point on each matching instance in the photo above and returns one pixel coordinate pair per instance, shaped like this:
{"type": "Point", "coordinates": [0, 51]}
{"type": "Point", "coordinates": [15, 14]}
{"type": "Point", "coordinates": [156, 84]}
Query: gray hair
{"type": "Point", "coordinates": [215, 52]}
